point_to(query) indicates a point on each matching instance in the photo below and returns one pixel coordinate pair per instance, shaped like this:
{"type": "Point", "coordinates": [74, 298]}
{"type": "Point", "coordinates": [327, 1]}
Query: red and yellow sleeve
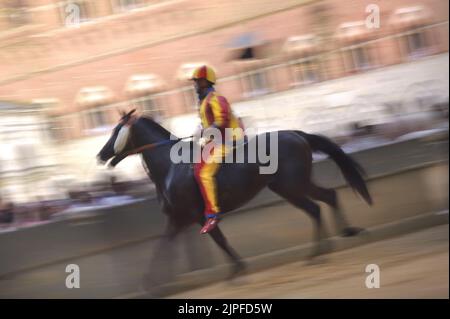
{"type": "Point", "coordinates": [221, 111]}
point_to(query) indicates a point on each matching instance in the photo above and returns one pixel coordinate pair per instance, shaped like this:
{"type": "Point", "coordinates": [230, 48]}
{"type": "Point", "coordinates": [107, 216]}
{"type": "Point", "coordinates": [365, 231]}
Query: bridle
{"type": "Point", "coordinates": [136, 150]}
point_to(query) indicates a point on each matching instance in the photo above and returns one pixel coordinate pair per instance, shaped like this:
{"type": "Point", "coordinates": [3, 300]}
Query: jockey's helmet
{"type": "Point", "coordinates": [204, 72]}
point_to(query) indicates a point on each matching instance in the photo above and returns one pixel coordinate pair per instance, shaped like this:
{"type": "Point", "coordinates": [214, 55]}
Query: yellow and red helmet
{"type": "Point", "coordinates": [204, 72]}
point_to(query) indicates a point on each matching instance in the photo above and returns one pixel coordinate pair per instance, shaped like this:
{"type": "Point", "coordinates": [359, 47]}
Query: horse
{"type": "Point", "coordinates": [237, 183]}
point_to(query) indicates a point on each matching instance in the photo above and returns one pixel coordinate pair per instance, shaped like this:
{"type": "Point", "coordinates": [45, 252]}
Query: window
{"type": "Point", "coordinates": [413, 43]}
{"type": "Point", "coordinates": [13, 13]}
{"type": "Point", "coordinates": [128, 5]}
{"type": "Point", "coordinates": [256, 83]}
{"type": "Point", "coordinates": [96, 120]}
{"type": "Point", "coordinates": [98, 117]}
{"type": "Point", "coordinates": [149, 105]}
{"type": "Point", "coordinates": [18, 17]}
{"type": "Point", "coordinates": [307, 72]}
{"type": "Point", "coordinates": [359, 58]}
{"type": "Point", "coordinates": [416, 44]}
{"type": "Point", "coordinates": [94, 101]}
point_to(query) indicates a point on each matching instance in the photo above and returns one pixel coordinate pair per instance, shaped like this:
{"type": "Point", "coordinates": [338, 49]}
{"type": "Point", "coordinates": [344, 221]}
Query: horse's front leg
{"type": "Point", "coordinates": [239, 265]}
{"type": "Point", "coordinates": [161, 264]}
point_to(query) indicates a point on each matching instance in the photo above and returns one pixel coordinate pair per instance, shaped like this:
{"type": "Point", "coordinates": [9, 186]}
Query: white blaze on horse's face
{"type": "Point", "coordinates": [122, 139]}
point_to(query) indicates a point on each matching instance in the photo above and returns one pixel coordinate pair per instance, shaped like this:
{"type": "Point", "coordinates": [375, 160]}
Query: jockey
{"type": "Point", "coordinates": [215, 112]}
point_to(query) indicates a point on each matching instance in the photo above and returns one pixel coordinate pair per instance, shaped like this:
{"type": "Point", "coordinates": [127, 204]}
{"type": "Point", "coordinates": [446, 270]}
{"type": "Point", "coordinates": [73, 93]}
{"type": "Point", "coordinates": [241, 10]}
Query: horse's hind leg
{"type": "Point", "coordinates": [329, 196]}
{"type": "Point", "coordinates": [218, 237]}
{"type": "Point", "coordinates": [313, 210]}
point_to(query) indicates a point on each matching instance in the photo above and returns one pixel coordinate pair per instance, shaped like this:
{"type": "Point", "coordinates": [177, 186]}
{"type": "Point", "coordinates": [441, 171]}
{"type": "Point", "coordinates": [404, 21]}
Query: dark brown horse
{"type": "Point", "coordinates": [237, 183]}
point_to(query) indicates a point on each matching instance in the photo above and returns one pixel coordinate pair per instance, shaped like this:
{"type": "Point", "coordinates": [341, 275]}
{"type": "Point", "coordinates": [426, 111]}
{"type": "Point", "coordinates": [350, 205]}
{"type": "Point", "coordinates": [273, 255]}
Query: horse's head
{"type": "Point", "coordinates": [120, 140]}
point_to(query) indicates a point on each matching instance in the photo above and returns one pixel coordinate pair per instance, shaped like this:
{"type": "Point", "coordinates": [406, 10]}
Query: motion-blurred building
{"type": "Point", "coordinates": [82, 60]}
{"type": "Point", "coordinates": [27, 158]}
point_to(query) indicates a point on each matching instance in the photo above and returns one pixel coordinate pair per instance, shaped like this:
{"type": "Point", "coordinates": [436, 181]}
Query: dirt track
{"type": "Point", "coordinates": [412, 266]}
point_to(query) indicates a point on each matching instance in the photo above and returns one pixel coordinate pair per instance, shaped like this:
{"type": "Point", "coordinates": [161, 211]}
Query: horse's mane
{"type": "Point", "coordinates": [152, 124]}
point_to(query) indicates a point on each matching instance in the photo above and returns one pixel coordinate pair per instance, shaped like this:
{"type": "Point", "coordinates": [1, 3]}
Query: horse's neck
{"type": "Point", "coordinates": [157, 160]}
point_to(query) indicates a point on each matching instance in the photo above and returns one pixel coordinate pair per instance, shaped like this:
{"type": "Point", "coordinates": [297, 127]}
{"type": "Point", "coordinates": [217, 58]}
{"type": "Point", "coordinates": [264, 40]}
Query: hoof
{"type": "Point", "coordinates": [238, 270]}
{"type": "Point", "coordinates": [149, 284]}
{"type": "Point", "coordinates": [152, 285]}
{"type": "Point", "coordinates": [321, 248]}
{"type": "Point", "coordinates": [148, 291]}
{"type": "Point", "coordinates": [148, 295]}
{"type": "Point", "coordinates": [351, 231]}
{"type": "Point", "coordinates": [317, 260]}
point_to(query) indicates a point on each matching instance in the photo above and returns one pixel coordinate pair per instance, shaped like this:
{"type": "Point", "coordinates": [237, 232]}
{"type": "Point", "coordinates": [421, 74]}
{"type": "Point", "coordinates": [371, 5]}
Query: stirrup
{"type": "Point", "coordinates": [215, 215]}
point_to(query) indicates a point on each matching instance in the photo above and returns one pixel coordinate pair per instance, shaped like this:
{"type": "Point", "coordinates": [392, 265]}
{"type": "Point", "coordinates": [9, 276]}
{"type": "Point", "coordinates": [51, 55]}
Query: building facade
{"type": "Point", "coordinates": [140, 52]}
{"type": "Point", "coordinates": [82, 60]}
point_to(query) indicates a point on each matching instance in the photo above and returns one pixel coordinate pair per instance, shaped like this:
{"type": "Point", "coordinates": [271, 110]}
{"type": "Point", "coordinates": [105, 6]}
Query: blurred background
{"type": "Point", "coordinates": [364, 73]}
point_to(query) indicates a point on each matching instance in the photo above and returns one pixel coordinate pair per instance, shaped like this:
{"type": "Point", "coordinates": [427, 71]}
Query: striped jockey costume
{"type": "Point", "coordinates": [215, 111]}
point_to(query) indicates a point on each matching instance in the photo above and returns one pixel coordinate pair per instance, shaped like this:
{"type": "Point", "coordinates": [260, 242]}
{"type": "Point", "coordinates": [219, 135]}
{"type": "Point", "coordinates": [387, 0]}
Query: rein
{"type": "Point", "coordinates": [119, 157]}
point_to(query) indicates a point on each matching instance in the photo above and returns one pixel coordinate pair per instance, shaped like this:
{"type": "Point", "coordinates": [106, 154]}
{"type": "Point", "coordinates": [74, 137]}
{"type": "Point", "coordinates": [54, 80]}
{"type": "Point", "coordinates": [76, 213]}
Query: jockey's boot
{"type": "Point", "coordinates": [210, 224]}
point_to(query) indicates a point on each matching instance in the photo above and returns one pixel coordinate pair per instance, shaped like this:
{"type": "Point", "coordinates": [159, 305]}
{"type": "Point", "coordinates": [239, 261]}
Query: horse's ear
{"type": "Point", "coordinates": [131, 112]}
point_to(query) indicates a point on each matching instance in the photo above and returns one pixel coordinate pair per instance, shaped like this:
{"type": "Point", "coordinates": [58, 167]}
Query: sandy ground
{"type": "Point", "coordinates": [411, 266]}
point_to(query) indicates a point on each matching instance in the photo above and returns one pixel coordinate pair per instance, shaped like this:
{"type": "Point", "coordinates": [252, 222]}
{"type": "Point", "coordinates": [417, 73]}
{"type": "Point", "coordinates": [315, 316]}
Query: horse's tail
{"type": "Point", "coordinates": [352, 171]}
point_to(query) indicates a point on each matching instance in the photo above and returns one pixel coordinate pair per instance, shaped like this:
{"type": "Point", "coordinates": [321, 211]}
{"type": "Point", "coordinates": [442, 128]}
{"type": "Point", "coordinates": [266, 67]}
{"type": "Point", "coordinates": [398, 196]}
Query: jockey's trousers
{"type": "Point", "coordinates": [205, 173]}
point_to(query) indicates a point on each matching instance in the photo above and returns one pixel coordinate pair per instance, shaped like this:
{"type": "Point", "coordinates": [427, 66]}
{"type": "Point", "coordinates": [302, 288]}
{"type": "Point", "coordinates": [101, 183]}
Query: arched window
{"type": "Point", "coordinates": [301, 50]}
{"type": "Point", "coordinates": [249, 53]}
{"type": "Point", "coordinates": [128, 5]}
{"type": "Point", "coordinates": [414, 40]}
{"type": "Point", "coordinates": [93, 102]}
{"type": "Point", "coordinates": [357, 51]}
{"type": "Point", "coordinates": [142, 90]}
